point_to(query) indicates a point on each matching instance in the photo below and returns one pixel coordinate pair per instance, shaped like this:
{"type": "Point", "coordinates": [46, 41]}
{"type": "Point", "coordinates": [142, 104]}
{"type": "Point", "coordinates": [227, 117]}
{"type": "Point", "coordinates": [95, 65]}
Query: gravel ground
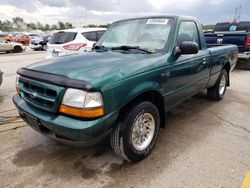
{"type": "Point", "coordinates": [204, 144]}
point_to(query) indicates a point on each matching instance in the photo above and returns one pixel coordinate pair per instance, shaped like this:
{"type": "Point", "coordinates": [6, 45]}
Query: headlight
{"type": "Point", "coordinates": [93, 100]}
{"type": "Point", "coordinates": [80, 103]}
{"type": "Point", "coordinates": [74, 98]}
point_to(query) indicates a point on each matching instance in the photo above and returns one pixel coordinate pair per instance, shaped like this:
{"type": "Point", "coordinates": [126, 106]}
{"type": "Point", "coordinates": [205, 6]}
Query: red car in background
{"type": "Point", "coordinates": [24, 39]}
{"type": "Point", "coordinates": [6, 37]}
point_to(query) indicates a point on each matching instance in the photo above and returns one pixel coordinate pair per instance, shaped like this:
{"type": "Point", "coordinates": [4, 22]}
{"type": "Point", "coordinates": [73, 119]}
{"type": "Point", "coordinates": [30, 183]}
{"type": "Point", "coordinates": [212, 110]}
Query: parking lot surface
{"type": "Point", "coordinates": [204, 144]}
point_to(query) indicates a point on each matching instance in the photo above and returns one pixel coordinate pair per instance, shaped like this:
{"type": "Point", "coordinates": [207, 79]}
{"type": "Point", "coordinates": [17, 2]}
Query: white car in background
{"type": "Point", "coordinates": [73, 41]}
{"type": "Point", "coordinates": [6, 46]}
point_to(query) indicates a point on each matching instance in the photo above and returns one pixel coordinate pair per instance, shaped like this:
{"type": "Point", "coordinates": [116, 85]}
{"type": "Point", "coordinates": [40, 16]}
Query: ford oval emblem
{"type": "Point", "coordinates": [33, 95]}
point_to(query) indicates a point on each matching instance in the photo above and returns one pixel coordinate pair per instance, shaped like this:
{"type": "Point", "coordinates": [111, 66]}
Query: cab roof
{"type": "Point", "coordinates": [181, 17]}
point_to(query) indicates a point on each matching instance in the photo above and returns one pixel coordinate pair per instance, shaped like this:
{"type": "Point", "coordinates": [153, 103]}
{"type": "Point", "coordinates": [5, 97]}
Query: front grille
{"type": "Point", "coordinates": [40, 95]}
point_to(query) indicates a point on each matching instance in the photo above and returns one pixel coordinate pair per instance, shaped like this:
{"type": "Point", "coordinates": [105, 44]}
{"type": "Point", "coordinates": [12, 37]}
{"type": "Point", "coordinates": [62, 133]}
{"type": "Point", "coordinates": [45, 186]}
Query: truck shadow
{"type": "Point", "coordinates": [186, 125]}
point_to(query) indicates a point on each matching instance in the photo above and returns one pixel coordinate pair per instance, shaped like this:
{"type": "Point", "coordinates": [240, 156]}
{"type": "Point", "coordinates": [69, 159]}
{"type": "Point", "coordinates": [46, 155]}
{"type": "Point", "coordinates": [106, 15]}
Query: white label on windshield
{"type": "Point", "coordinates": [158, 21]}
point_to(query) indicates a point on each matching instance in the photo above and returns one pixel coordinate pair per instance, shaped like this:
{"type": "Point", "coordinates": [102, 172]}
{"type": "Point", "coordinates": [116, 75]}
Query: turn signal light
{"type": "Point", "coordinates": [80, 112]}
{"type": "Point", "coordinates": [18, 90]}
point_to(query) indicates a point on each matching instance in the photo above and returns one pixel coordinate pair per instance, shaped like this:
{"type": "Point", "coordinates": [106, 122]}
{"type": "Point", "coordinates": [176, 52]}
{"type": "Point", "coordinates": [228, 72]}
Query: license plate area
{"type": "Point", "coordinates": [55, 53]}
{"type": "Point", "coordinates": [31, 120]}
{"type": "Point", "coordinates": [34, 123]}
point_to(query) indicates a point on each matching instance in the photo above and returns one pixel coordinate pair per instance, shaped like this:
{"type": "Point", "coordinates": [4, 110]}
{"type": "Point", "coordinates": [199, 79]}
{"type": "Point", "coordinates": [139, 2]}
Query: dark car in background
{"type": "Point", "coordinates": [237, 33]}
{"type": "Point", "coordinates": [40, 43]}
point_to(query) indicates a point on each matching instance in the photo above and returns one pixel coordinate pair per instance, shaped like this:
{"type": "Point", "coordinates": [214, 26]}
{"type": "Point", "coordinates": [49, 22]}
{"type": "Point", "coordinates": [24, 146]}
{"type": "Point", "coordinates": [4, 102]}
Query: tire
{"type": "Point", "coordinates": [125, 135]}
{"type": "Point", "coordinates": [18, 49]}
{"type": "Point", "coordinates": [44, 47]}
{"type": "Point", "coordinates": [219, 89]}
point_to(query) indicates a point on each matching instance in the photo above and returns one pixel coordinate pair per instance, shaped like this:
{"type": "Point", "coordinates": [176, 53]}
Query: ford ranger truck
{"type": "Point", "coordinates": [137, 71]}
{"type": "Point", "coordinates": [237, 33]}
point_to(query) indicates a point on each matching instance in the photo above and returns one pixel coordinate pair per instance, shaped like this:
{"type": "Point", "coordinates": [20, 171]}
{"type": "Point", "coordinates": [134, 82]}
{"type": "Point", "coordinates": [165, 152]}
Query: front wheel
{"type": "Point", "coordinates": [44, 47]}
{"type": "Point", "coordinates": [18, 49]}
{"type": "Point", "coordinates": [219, 89]}
{"type": "Point", "coordinates": [136, 132]}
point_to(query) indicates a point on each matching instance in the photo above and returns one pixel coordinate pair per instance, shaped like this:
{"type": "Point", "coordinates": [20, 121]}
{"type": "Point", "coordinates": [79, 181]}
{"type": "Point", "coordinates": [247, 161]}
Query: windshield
{"type": "Point", "coordinates": [151, 34]}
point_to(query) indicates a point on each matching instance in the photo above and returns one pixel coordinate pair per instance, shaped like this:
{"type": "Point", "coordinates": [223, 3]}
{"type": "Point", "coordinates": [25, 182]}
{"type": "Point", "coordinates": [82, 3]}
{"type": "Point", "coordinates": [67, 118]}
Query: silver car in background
{"type": "Point", "coordinates": [40, 43]}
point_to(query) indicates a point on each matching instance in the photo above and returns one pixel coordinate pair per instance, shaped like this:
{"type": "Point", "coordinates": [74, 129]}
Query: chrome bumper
{"type": "Point", "coordinates": [244, 56]}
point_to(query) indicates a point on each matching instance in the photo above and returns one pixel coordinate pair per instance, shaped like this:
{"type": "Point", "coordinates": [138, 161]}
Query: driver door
{"type": "Point", "coordinates": [4, 46]}
{"type": "Point", "coordinates": [189, 73]}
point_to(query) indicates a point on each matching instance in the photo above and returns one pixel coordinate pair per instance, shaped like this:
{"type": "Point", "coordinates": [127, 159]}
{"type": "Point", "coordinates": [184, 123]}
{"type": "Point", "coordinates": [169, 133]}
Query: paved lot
{"type": "Point", "coordinates": [205, 144]}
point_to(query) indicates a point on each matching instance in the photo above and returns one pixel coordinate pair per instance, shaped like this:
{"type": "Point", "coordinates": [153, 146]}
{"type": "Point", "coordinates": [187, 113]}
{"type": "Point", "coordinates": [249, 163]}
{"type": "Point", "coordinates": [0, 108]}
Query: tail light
{"type": "Point", "coordinates": [247, 45]}
{"type": "Point", "coordinates": [74, 47]}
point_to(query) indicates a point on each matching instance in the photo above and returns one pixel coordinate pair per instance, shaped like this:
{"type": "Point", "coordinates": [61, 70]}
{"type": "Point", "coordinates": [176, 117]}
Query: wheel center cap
{"type": "Point", "coordinates": [141, 129]}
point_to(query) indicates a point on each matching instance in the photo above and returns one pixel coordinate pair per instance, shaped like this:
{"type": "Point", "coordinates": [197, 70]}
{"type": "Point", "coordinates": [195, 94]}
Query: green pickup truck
{"type": "Point", "coordinates": [136, 72]}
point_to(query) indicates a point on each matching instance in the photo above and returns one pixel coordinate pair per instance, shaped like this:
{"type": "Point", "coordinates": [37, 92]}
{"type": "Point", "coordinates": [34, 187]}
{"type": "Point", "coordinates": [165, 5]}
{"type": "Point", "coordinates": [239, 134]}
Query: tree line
{"type": "Point", "coordinates": [19, 24]}
{"type": "Point", "coordinates": [208, 27]}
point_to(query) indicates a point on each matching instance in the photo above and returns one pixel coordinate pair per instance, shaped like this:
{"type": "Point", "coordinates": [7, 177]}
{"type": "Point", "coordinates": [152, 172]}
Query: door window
{"type": "Point", "coordinates": [62, 37]}
{"type": "Point", "coordinates": [188, 32]}
{"type": "Point", "coordinates": [91, 36]}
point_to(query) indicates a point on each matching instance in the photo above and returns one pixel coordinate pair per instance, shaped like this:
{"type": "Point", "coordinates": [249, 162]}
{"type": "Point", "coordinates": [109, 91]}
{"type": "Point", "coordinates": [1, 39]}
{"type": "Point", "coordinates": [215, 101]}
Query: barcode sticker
{"type": "Point", "coordinates": [158, 21]}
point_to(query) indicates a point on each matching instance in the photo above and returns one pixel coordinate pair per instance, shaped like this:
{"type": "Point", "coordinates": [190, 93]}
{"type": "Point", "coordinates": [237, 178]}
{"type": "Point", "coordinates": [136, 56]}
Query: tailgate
{"type": "Point", "coordinates": [236, 38]}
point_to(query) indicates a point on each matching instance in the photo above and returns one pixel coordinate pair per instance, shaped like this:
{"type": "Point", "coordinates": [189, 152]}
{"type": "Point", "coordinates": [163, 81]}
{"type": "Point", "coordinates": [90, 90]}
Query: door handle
{"type": "Point", "coordinates": [204, 61]}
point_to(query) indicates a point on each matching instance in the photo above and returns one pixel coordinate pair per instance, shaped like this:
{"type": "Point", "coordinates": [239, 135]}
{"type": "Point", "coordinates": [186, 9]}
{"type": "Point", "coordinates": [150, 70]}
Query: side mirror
{"type": "Point", "coordinates": [187, 47]}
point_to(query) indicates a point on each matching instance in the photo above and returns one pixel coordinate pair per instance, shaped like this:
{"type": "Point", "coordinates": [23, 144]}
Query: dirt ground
{"type": "Point", "coordinates": [204, 144]}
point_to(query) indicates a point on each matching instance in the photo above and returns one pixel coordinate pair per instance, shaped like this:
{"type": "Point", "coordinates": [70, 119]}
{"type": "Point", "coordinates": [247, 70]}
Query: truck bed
{"type": "Point", "coordinates": [238, 38]}
{"type": "Point", "coordinates": [221, 52]}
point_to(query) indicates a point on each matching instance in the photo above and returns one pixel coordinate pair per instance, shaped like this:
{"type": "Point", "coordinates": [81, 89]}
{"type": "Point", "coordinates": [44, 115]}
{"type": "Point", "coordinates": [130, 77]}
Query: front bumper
{"type": "Point", "coordinates": [244, 56]}
{"type": "Point", "coordinates": [66, 129]}
{"type": "Point", "coordinates": [37, 46]}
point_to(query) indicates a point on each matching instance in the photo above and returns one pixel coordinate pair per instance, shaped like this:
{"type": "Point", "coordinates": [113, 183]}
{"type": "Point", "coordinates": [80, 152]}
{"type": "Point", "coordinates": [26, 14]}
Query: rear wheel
{"type": "Point", "coordinates": [219, 89]}
{"type": "Point", "coordinates": [18, 49]}
{"type": "Point", "coordinates": [136, 132]}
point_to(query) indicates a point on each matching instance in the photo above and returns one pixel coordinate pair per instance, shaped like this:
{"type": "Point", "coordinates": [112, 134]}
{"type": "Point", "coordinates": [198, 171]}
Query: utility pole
{"type": "Point", "coordinates": [239, 14]}
{"type": "Point", "coordinates": [235, 13]}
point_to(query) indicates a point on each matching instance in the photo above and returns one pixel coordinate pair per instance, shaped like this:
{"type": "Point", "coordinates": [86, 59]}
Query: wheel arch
{"type": "Point", "coordinates": [227, 67]}
{"type": "Point", "coordinates": [153, 96]}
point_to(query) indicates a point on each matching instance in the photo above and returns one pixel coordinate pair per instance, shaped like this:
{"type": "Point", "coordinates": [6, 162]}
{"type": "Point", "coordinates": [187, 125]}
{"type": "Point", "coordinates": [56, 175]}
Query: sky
{"type": "Point", "coordinates": [83, 12]}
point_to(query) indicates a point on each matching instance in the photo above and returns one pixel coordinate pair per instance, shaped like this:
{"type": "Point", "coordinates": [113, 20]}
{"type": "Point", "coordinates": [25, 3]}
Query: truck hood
{"type": "Point", "coordinates": [99, 67]}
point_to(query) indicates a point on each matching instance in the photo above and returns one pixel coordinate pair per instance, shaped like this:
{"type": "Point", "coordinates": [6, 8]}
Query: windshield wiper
{"type": "Point", "coordinates": [125, 47]}
{"type": "Point", "coordinates": [96, 47]}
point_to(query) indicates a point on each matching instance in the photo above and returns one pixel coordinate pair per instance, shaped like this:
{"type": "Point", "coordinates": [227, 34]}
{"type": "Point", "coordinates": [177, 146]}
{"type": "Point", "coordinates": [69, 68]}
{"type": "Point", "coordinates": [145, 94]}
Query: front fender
{"type": "Point", "coordinates": [142, 88]}
{"type": "Point", "coordinates": [139, 90]}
